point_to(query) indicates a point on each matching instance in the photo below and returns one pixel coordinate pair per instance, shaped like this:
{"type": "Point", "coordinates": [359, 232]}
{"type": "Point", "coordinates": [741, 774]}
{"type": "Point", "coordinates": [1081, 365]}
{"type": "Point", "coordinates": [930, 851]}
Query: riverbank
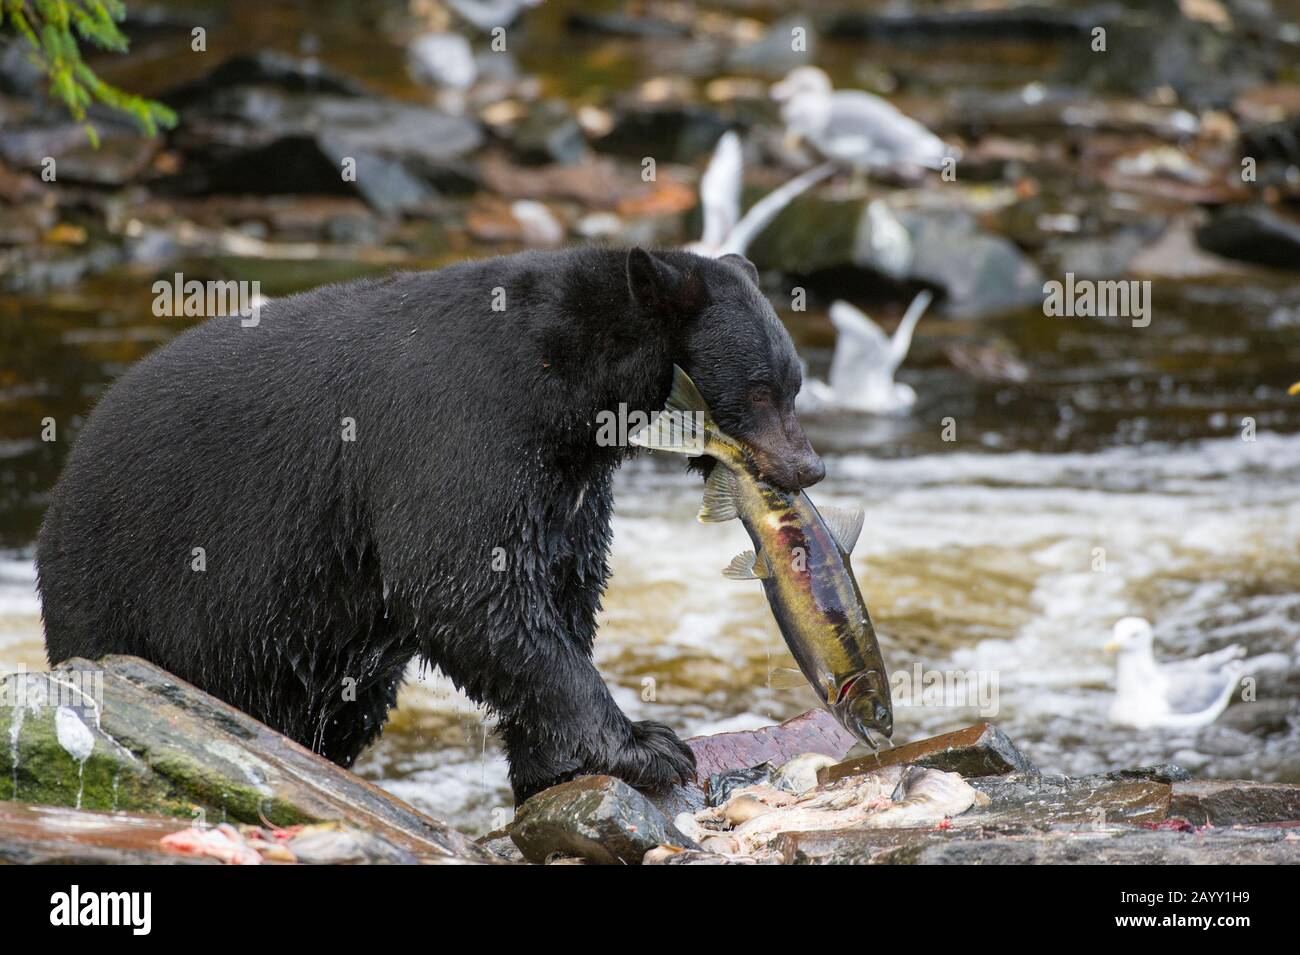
{"type": "Point", "coordinates": [119, 762]}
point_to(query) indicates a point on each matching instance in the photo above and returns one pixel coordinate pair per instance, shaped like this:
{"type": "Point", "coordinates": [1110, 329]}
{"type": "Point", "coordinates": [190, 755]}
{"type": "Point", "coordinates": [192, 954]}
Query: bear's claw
{"type": "Point", "coordinates": [655, 759]}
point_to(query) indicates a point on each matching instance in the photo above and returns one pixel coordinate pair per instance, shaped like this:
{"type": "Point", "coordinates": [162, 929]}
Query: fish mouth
{"type": "Point", "coordinates": [862, 708]}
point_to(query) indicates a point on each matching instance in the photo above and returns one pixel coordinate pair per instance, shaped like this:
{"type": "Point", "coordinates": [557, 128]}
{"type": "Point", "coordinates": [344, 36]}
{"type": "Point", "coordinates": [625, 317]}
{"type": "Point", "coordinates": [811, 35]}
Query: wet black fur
{"type": "Point", "coordinates": [330, 561]}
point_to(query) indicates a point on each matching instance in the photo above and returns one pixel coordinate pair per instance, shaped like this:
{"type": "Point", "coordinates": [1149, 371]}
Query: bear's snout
{"type": "Point", "coordinates": [785, 457]}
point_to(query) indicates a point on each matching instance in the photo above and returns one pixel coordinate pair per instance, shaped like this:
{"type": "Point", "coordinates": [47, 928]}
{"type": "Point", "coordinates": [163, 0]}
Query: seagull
{"type": "Point", "coordinates": [725, 232]}
{"type": "Point", "coordinates": [1179, 694]}
{"type": "Point", "coordinates": [855, 127]}
{"type": "Point", "coordinates": [864, 363]}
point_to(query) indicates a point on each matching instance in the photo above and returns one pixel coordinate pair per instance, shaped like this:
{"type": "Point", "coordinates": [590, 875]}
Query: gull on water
{"type": "Point", "coordinates": [1178, 694]}
{"type": "Point", "coordinates": [725, 232]}
{"type": "Point", "coordinates": [864, 363]}
{"type": "Point", "coordinates": [855, 127]}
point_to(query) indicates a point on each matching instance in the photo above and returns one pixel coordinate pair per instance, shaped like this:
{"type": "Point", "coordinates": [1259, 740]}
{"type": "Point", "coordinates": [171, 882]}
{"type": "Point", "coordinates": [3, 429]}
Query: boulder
{"type": "Point", "coordinates": [549, 133]}
{"type": "Point", "coordinates": [1022, 802]}
{"type": "Point", "coordinates": [820, 240]}
{"type": "Point", "coordinates": [1253, 234]}
{"type": "Point", "coordinates": [597, 818]}
{"type": "Point", "coordinates": [1216, 802]}
{"type": "Point", "coordinates": [269, 68]}
{"type": "Point", "coordinates": [1126, 845]}
{"type": "Point", "coordinates": [123, 734]}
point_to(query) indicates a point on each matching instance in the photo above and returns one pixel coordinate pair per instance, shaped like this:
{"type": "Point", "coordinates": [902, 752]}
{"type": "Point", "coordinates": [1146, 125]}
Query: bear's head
{"type": "Point", "coordinates": [724, 333]}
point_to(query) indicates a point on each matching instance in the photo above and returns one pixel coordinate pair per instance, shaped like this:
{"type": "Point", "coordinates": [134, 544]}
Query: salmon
{"type": "Point", "coordinates": [801, 556]}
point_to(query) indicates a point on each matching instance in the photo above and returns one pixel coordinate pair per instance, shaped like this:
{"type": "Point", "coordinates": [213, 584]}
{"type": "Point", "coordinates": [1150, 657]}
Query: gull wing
{"type": "Point", "coordinates": [902, 339]}
{"type": "Point", "coordinates": [761, 213]}
{"type": "Point", "coordinates": [1192, 688]}
{"type": "Point", "coordinates": [862, 351]}
{"type": "Point", "coordinates": [720, 190]}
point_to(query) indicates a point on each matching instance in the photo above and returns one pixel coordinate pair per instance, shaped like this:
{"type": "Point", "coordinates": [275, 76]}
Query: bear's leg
{"type": "Point", "coordinates": [356, 723]}
{"type": "Point", "coordinates": [558, 720]}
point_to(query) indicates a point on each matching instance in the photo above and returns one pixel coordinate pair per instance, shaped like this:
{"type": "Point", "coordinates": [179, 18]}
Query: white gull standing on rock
{"type": "Point", "coordinates": [725, 232]}
{"type": "Point", "coordinates": [864, 363]}
{"type": "Point", "coordinates": [855, 127]}
{"type": "Point", "coordinates": [1179, 694]}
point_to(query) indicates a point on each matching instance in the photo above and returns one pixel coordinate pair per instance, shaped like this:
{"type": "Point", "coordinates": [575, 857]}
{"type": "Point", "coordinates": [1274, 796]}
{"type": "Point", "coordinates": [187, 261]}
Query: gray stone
{"type": "Point", "coordinates": [980, 273]}
{"type": "Point", "coordinates": [1124, 845]}
{"type": "Point", "coordinates": [597, 818]}
{"type": "Point", "coordinates": [1234, 802]}
{"type": "Point", "coordinates": [1019, 802]}
{"type": "Point", "coordinates": [549, 134]}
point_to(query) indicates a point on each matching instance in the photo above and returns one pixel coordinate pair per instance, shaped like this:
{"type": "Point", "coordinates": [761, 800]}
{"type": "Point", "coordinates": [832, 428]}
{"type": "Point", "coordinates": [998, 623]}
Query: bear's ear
{"type": "Point", "coordinates": [743, 263]}
{"type": "Point", "coordinates": [662, 288]}
{"type": "Point", "coordinates": [649, 280]}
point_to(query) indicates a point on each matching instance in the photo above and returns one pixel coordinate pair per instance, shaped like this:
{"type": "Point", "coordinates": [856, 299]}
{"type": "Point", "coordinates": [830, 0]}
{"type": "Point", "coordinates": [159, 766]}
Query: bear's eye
{"type": "Point", "coordinates": [760, 395]}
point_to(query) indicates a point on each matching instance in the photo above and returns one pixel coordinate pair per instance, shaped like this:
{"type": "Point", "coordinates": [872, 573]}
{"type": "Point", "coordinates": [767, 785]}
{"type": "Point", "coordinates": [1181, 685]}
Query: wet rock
{"type": "Point", "coordinates": [1020, 21]}
{"type": "Point", "coordinates": [18, 74]}
{"type": "Point", "coordinates": [268, 68]}
{"type": "Point", "coordinates": [980, 750]}
{"type": "Point", "coordinates": [1037, 109]}
{"type": "Point", "coordinates": [773, 54]}
{"type": "Point", "coordinates": [622, 24]}
{"type": "Point", "coordinates": [682, 133]}
{"type": "Point", "coordinates": [1115, 846]}
{"type": "Point", "coordinates": [1159, 773]}
{"type": "Point", "coordinates": [159, 745]}
{"type": "Point", "coordinates": [597, 818]}
{"type": "Point", "coordinates": [1017, 802]}
{"type": "Point", "coordinates": [442, 59]}
{"type": "Point", "coordinates": [815, 731]}
{"type": "Point", "coordinates": [1176, 255]}
{"type": "Point", "coordinates": [499, 843]}
{"type": "Point", "coordinates": [123, 154]}
{"type": "Point", "coordinates": [1253, 234]}
{"type": "Point", "coordinates": [261, 140]}
{"type": "Point", "coordinates": [26, 223]}
{"type": "Point", "coordinates": [980, 273]}
{"type": "Point", "coordinates": [1156, 47]}
{"type": "Point", "coordinates": [45, 267]}
{"type": "Point", "coordinates": [1234, 802]}
{"type": "Point", "coordinates": [549, 134]}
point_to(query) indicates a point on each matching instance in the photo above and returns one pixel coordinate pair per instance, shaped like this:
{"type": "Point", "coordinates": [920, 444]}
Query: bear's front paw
{"type": "Point", "coordinates": [654, 758]}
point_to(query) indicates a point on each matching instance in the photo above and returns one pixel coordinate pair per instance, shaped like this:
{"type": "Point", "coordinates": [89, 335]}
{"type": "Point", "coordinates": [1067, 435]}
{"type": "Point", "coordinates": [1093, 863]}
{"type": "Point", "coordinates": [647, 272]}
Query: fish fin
{"type": "Point", "coordinates": [747, 566]}
{"type": "Point", "coordinates": [685, 396]}
{"type": "Point", "coordinates": [845, 525]}
{"type": "Point", "coordinates": [719, 496]}
{"type": "Point", "coordinates": [684, 426]}
{"type": "Point", "coordinates": [786, 678]}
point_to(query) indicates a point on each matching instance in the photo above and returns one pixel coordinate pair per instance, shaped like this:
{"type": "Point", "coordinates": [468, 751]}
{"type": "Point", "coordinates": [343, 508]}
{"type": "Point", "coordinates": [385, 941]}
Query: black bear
{"type": "Point", "coordinates": [286, 513]}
